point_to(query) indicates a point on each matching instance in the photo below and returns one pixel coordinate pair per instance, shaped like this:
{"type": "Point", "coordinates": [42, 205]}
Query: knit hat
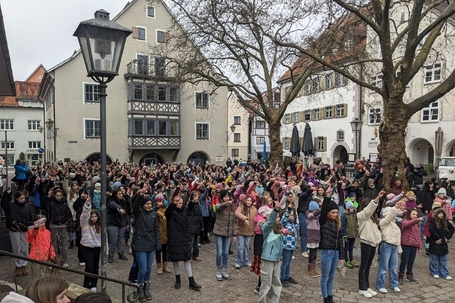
{"type": "Point", "coordinates": [443, 191]}
{"type": "Point", "coordinates": [242, 197]}
{"type": "Point", "coordinates": [349, 205]}
{"type": "Point", "coordinates": [267, 213]}
{"type": "Point", "coordinates": [142, 199]}
{"type": "Point", "coordinates": [116, 185]}
{"type": "Point", "coordinates": [370, 180]}
{"type": "Point", "coordinates": [224, 193]}
{"type": "Point", "coordinates": [332, 206]}
{"type": "Point", "coordinates": [159, 197]}
{"type": "Point", "coordinates": [262, 210]}
{"type": "Point", "coordinates": [97, 185]}
{"type": "Point", "coordinates": [391, 196]}
{"type": "Point", "coordinates": [95, 179]}
{"type": "Point", "coordinates": [313, 205]}
{"type": "Point", "coordinates": [352, 194]}
{"type": "Point", "coordinates": [436, 205]}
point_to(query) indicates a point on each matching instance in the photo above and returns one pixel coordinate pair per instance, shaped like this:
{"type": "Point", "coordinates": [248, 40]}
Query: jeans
{"type": "Point", "coordinates": [303, 239]}
{"type": "Point", "coordinates": [388, 261]}
{"type": "Point", "coordinates": [438, 265]}
{"type": "Point", "coordinates": [243, 248]}
{"type": "Point", "coordinates": [92, 264]}
{"type": "Point", "coordinates": [407, 258]}
{"type": "Point", "coordinates": [366, 258]}
{"type": "Point", "coordinates": [286, 264]}
{"type": "Point", "coordinates": [329, 264]}
{"type": "Point", "coordinates": [348, 249]}
{"type": "Point", "coordinates": [194, 245]}
{"type": "Point", "coordinates": [422, 224]}
{"type": "Point", "coordinates": [222, 250]}
{"type": "Point", "coordinates": [144, 260]}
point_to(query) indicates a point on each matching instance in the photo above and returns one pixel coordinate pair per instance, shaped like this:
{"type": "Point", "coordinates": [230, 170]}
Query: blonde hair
{"type": "Point", "coordinates": [46, 289]}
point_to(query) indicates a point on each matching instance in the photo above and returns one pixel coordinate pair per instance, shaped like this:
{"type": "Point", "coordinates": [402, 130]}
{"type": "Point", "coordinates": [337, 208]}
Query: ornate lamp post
{"type": "Point", "coordinates": [102, 42]}
{"type": "Point", "coordinates": [356, 125]}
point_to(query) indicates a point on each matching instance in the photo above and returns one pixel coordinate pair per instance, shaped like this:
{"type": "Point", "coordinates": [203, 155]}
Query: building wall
{"type": "Point", "coordinates": [235, 109]}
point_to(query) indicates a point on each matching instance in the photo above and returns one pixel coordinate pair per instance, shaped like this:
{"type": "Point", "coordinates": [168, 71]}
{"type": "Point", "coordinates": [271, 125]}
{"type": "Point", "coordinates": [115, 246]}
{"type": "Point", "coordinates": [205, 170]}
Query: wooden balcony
{"type": "Point", "coordinates": [155, 142]}
{"type": "Point", "coordinates": [153, 107]}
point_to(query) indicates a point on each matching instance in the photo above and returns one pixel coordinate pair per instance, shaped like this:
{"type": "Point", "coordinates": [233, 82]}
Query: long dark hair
{"type": "Point", "coordinates": [97, 224]}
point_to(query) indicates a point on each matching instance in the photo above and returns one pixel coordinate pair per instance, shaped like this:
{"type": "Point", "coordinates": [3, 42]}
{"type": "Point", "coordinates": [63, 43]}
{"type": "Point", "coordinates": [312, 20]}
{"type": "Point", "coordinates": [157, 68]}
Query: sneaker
{"type": "Point", "coordinates": [110, 259]}
{"type": "Point", "coordinates": [284, 283]}
{"type": "Point", "coordinates": [365, 293]}
{"type": "Point", "coordinates": [65, 265]}
{"type": "Point", "coordinates": [203, 242]}
{"type": "Point", "coordinates": [383, 290]}
{"type": "Point", "coordinates": [448, 278]}
{"type": "Point", "coordinates": [436, 276]}
{"type": "Point", "coordinates": [256, 290]}
{"type": "Point", "coordinates": [305, 254]}
{"type": "Point", "coordinates": [293, 257]}
{"type": "Point", "coordinates": [411, 279]}
{"type": "Point", "coordinates": [93, 289]}
{"type": "Point", "coordinates": [400, 281]}
{"type": "Point", "coordinates": [197, 259]}
{"type": "Point", "coordinates": [248, 264]}
{"type": "Point", "coordinates": [291, 280]}
{"type": "Point", "coordinates": [396, 289]}
{"type": "Point", "coordinates": [355, 264]}
{"type": "Point", "coordinates": [81, 264]}
{"type": "Point", "coordinates": [237, 266]}
{"type": "Point", "coordinates": [349, 265]}
{"type": "Point", "coordinates": [372, 292]}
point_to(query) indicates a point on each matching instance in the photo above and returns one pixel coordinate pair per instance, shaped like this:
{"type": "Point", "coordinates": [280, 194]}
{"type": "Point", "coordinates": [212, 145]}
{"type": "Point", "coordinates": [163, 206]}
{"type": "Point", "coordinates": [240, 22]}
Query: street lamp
{"type": "Point", "coordinates": [102, 42]}
{"type": "Point", "coordinates": [356, 125]}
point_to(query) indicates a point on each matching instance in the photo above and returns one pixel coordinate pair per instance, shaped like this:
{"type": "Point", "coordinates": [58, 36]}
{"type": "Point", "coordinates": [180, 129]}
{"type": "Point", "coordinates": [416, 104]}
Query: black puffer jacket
{"type": "Point", "coordinates": [439, 234]}
{"type": "Point", "coordinates": [178, 233]}
{"type": "Point", "coordinates": [146, 236]}
{"type": "Point", "coordinates": [19, 216]}
{"type": "Point", "coordinates": [331, 235]}
{"type": "Point", "coordinates": [59, 212]}
{"type": "Point", "coordinates": [115, 218]}
{"type": "Point", "coordinates": [195, 218]}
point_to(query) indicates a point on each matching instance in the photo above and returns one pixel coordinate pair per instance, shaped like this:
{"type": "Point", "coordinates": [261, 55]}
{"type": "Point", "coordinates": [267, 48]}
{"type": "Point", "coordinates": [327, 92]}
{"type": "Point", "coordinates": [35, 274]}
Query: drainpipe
{"type": "Point", "coordinates": [360, 113]}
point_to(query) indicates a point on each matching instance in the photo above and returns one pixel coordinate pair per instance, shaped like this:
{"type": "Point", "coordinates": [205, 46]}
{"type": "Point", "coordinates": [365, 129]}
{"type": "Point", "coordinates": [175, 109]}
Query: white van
{"type": "Point", "coordinates": [446, 168]}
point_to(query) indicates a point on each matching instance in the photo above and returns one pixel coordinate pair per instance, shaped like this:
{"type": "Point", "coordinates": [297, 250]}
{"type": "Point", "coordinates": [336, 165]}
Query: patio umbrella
{"type": "Point", "coordinates": [264, 152]}
{"type": "Point", "coordinates": [295, 142]}
{"type": "Point", "coordinates": [307, 146]}
{"type": "Point", "coordinates": [438, 138]}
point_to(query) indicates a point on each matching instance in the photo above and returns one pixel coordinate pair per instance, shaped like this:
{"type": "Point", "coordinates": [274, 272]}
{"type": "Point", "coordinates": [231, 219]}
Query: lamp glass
{"type": "Point", "coordinates": [232, 128]}
{"type": "Point", "coordinates": [356, 124]}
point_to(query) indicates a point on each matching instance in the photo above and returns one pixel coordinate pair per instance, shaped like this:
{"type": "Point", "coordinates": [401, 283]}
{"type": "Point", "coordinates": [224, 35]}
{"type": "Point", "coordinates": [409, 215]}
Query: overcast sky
{"type": "Point", "coordinates": [41, 31]}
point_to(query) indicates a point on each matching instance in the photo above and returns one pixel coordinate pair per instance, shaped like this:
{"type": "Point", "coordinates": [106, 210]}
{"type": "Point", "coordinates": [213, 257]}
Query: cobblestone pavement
{"type": "Point", "coordinates": [240, 288]}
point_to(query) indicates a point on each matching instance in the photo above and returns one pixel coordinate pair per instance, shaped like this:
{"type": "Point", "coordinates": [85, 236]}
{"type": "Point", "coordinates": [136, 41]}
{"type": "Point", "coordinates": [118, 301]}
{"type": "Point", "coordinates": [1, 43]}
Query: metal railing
{"type": "Point", "coordinates": [131, 297]}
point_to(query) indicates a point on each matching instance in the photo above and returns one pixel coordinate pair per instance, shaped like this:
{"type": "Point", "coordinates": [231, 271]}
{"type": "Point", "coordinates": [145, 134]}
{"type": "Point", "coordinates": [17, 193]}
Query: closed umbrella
{"type": "Point", "coordinates": [264, 152]}
{"type": "Point", "coordinates": [438, 138]}
{"type": "Point", "coordinates": [307, 146]}
{"type": "Point", "coordinates": [295, 142]}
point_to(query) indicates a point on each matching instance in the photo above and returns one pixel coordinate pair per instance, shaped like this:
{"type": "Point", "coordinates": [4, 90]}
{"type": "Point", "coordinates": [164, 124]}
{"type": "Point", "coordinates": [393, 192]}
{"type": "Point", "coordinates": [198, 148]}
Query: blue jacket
{"type": "Point", "coordinates": [20, 171]}
{"type": "Point", "coordinates": [206, 204]}
{"type": "Point", "coordinates": [272, 247]}
{"type": "Point", "coordinates": [289, 240]}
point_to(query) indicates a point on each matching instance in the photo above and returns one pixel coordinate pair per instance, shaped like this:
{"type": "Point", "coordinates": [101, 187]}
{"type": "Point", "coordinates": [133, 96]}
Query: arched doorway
{"type": "Point", "coordinates": [420, 150]}
{"type": "Point", "coordinates": [198, 158]}
{"type": "Point", "coordinates": [151, 158]}
{"type": "Point", "coordinates": [340, 153]}
{"type": "Point", "coordinates": [450, 149]}
{"type": "Point", "coordinates": [97, 157]}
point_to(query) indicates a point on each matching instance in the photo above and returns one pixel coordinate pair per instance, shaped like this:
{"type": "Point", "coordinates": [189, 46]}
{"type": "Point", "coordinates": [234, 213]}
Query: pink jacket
{"type": "Point", "coordinates": [410, 233]}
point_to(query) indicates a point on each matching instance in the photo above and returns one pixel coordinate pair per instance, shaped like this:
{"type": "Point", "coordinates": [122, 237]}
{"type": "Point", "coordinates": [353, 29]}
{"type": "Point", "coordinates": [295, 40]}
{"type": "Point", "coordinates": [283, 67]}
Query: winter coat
{"type": "Point", "coordinates": [368, 229]}
{"type": "Point", "coordinates": [114, 217]}
{"type": "Point", "coordinates": [195, 218]}
{"type": "Point", "coordinates": [426, 197]}
{"type": "Point", "coordinates": [89, 236]}
{"type": "Point", "coordinates": [21, 171]}
{"type": "Point", "coordinates": [19, 216]}
{"type": "Point", "coordinates": [273, 243]}
{"type": "Point", "coordinates": [410, 233]}
{"type": "Point", "coordinates": [13, 297]}
{"type": "Point", "coordinates": [146, 235]}
{"type": "Point", "coordinates": [390, 231]}
{"type": "Point", "coordinates": [349, 225]}
{"type": "Point", "coordinates": [206, 203]}
{"type": "Point", "coordinates": [178, 233]}
{"type": "Point", "coordinates": [59, 213]}
{"type": "Point", "coordinates": [331, 236]}
{"type": "Point", "coordinates": [304, 200]}
{"type": "Point", "coordinates": [439, 234]}
{"type": "Point", "coordinates": [313, 230]}
{"type": "Point", "coordinates": [41, 247]}
{"type": "Point", "coordinates": [162, 223]}
{"type": "Point", "coordinates": [242, 228]}
{"type": "Point", "coordinates": [225, 224]}
{"type": "Point", "coordinates": [290, 232]}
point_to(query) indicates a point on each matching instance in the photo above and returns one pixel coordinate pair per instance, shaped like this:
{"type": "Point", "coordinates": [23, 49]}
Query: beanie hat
{"type": "Point", "coordinates": [116, 185]}
{"type": "Point", "coordinates": [97, 185]}
{"type": "Point", "coordinates": [242, 197]}
{"type": "Point", "coordinates": [332, 206]}
{"type": "Point", "coordinates": [442, 190]}
{"type": "Point", "coordinates": [391, 196]}
{"type": "Point", "coordinates": [95, 179]}
{"type": "Point", "coordinates": [224, 193]}
{"type": "Point", "coordinates": [313, 205]}
{"type": "Point", "coordinates": [436, 205]}
{"type": "Point", "coordinates": [349, 205]}
{"type": "Point", "coordinates": [370, 180]}
{"type": "Point", "coordinates": [267, 213]}
{"type": "Point", "coordinates": [352, 194]}
{"type": "Point", "coordinates": [262, 210]}
{"type": "Point", "coordinates": [159, 197]}
{"type": "Point", "coordinates": [142, 199]}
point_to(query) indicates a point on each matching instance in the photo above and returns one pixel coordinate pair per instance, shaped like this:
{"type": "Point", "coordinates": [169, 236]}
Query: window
{"type": "Point", "coordinates": [202, 131]}
{"type": "Point", "coordinates": [150, 11]}
{"type": "Point", "coordinates": [320, 143]}
{"type": "Point", "coordinates": [92, 129]}
{"type": "Point", "coordinates": [138, 91]}
{"type": "Point", "coordinates": [160, 36]}
{"type": "Point", "coordinates": [277, 96]}
{"type": "Point", "coordinates": [141, 33]}
{"type": "Point", "coordinates": [260, 140]}
{"type": "Point", "coordinates": [34, 144]}
{"type": "Point", "coordinates": [328, 112]}
{"type": "Point", "coordinates": [377, 81]}
{"type": "Point", "coordinates": [307, 115]}
{"type": "Point", "coordinates": [150, 91]}
{"type": "Point", "coordinates": [374, 116]}
{"type": "Point", "coordinates": [174, 94]}
{"type": "Point", "coordinates": [316, 84]}
{"type": "Point", "coordinates": [316, 115]}
{"type": "Point", "coordinates": [260, 124]}
{"type": "Point", "coordinates": [161, 93]}
{"type": "Point", "coordinates": [286, 143]}
{"type": "Point", "coordinates": [162, 128]}
{"type": "Point", "coordinates": [174, 128]}
{"type": "Point", "coordinates": [202, 100]}
{"type": "Point", "coordinates": [237, 120]}
{"type": "Point", "coordinates": [9, 145]}
{"type": "Point", "coordinates": [160, 66]}
{"type": "Point", "coordinates": [6, 124]}
{"type": "Point", "coordinates": [237, 137]}
{"type": "Point", "coordinates": [296, 117]}
{"type": "Point", "coordinates": [235, 152]}
{"type": "Point", "coordinates": [138, 127]}
{"type": "Point", "coordinates": [402, 17]}
{"type": "Point", "coordinates": [329, 81]}
{"type": "Point", "coordinates": [142, 64]}
{"type": "Point", "coordinates": [340, 80]}
{"type": "Point", "coordinates": [34, 124]}
{"type": "Point", "coordinates": [340, 135]}
{"type": "Point", "coordinates": [433, 73]}
{"type": "Point", "coordinates": [91, 93]}
{"type": "Point", "coordinates": [340, 110]}
{"type": "Point", "coordinates": [308, 87]}
{"type": "Point", "coordinates": [430, 113]}
{"type": "Point", "coordinates": [287, 118]}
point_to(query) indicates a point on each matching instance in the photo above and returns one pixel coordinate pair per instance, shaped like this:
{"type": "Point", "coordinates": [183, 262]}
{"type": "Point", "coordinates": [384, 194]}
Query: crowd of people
{"type": "Point", "coordinates": [166, 211]}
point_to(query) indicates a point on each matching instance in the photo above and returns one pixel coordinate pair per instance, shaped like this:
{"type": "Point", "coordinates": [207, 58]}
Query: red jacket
{"type": "Point", "coordinates": [410, 233]}
{"type": "Point", "coordinates": [40, 244]}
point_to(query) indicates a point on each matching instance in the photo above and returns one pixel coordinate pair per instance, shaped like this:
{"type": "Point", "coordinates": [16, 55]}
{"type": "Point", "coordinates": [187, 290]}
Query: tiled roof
{"type": "Point", "coordinates": [24, 91]}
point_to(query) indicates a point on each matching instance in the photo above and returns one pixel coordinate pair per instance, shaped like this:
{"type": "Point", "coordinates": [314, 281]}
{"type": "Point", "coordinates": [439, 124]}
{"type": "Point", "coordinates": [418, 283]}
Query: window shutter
{"type": "Point", "coordinates": [324, 144]}
{"type": "Point", "coordinates": [322, 113]}
{"type": "Point", "coordinates": [291, 117]}
{"type": "Point", "coordinates": [315, 143]}
{"type": "Point", "coordinates": [135, 33]}
{"type": "Point", "coordinates": [345, 110]}
{"type": "Point", "coordinates": [302, 115]}
{"type": "Point", "coordinates": [333, 111]}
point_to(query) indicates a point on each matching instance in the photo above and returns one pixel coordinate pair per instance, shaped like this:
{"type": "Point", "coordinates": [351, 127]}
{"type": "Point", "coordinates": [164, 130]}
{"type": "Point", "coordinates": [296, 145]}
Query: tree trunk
{"type": "Point", "coordinates": [392, 147]}
{"type": "Point", "coordinates": [276, 147]}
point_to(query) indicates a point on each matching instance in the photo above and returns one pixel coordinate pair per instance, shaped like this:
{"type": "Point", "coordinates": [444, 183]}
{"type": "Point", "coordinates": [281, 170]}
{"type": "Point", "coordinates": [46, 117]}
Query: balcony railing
{"type": "Point", "coordinates": [142, 142]}
{"type": "Point", "coordinates": [136, 69]}
{"type": "Point", "coordinates": [153, 107]}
